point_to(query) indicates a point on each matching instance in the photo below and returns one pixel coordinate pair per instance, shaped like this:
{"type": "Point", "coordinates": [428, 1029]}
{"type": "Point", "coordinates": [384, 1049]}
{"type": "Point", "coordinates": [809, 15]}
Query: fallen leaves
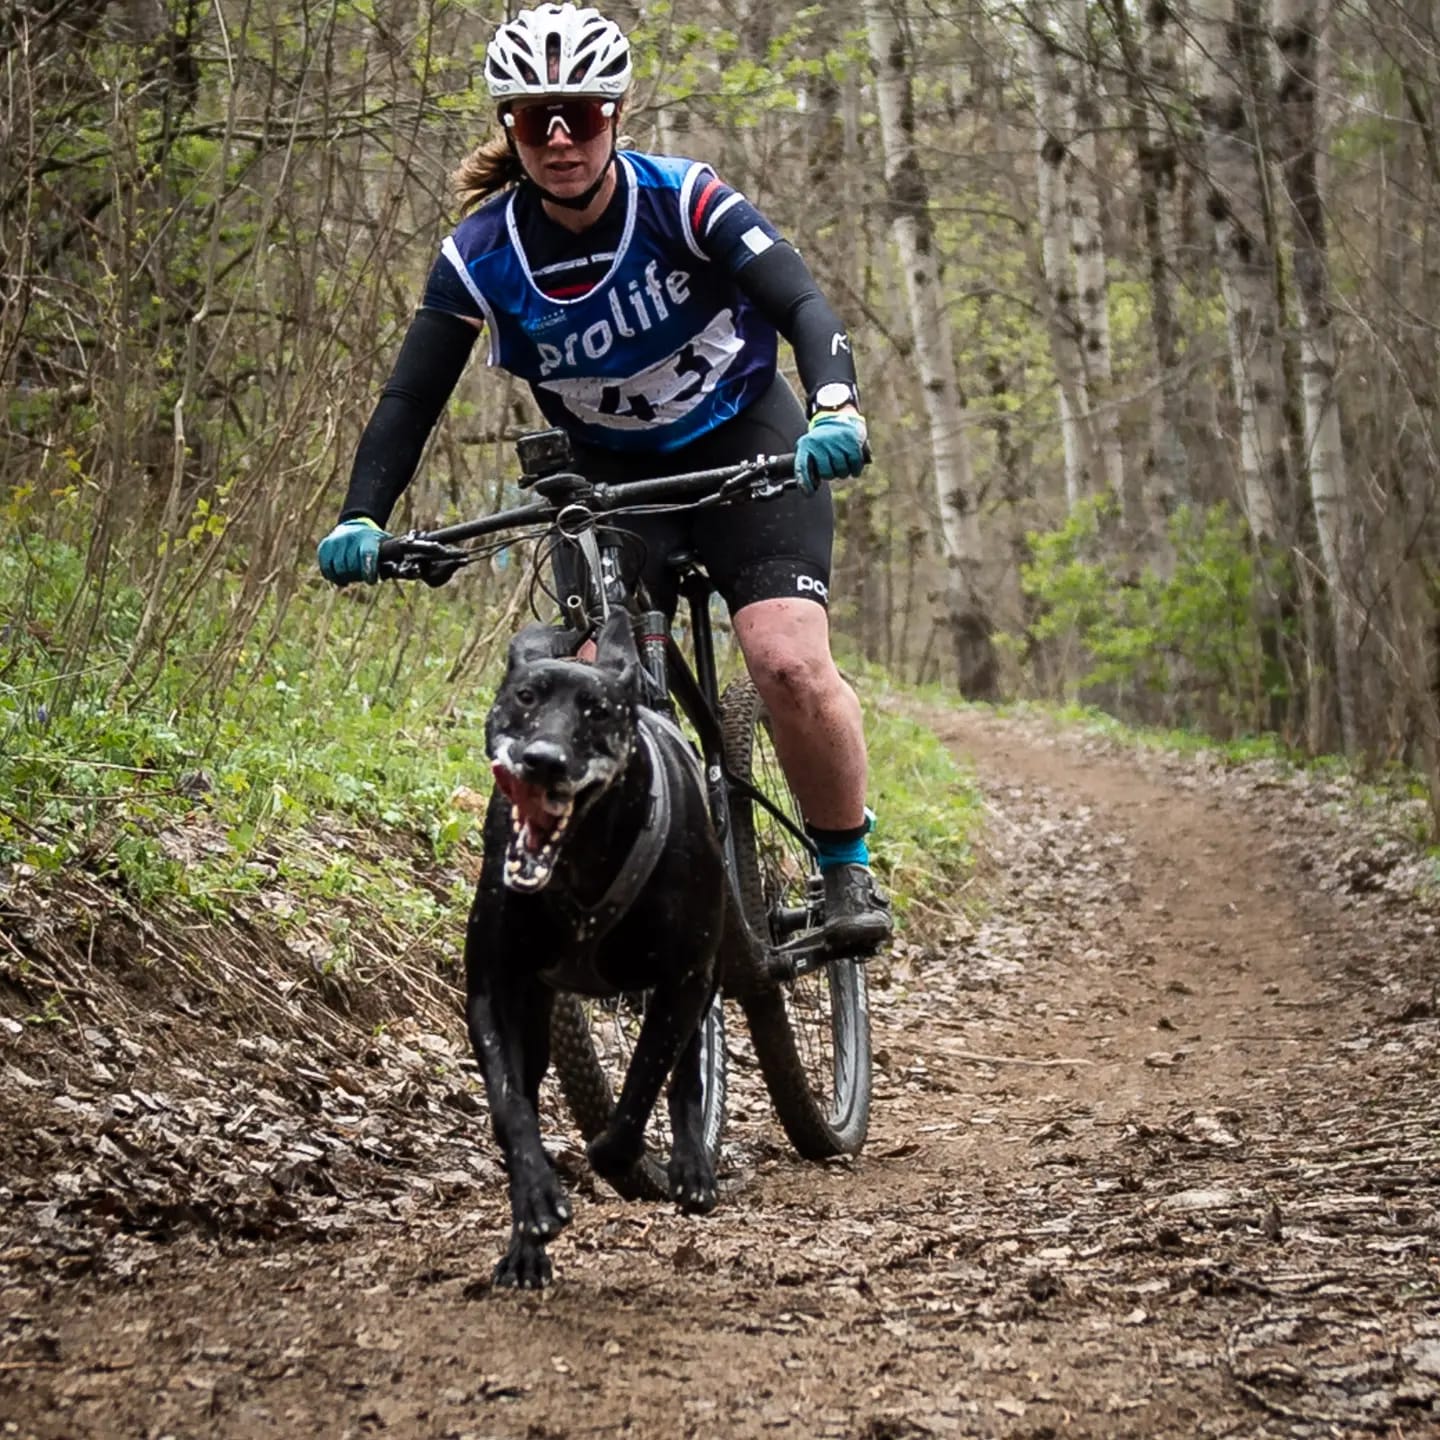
{"type": "Point", "coordinates": [1048, 1234]}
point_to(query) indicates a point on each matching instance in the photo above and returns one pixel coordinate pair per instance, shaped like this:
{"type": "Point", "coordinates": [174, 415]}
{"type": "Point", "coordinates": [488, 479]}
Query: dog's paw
{"type": "Point", "coordinates": [524, 1266]}
{"type": "Point", "coordinates": [613, 1155]}
{"type": "Point", "coordinates": [541, 1209]}
{"type": "Point", "coordinates": [692, 1184]}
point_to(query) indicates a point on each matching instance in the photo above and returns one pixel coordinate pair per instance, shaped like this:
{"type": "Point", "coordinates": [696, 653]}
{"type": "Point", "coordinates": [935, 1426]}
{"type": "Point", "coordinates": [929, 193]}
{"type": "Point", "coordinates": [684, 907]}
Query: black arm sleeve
{"type": "Point", "coordinates": [434, 353]}
{"type": "Point", "coordinates": [779, 284]}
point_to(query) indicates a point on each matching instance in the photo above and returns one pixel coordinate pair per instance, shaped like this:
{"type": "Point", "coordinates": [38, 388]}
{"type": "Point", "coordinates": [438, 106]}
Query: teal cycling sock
{"type": "Point", "coordinates": [842, 847]}
{"type": "Point", "coordinates": [840, 852]}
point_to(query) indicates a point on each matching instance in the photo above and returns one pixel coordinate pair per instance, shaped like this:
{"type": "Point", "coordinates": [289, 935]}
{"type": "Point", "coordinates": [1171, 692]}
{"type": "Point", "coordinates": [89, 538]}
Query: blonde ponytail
{"type": "Point", "coordinates": [486, 170]}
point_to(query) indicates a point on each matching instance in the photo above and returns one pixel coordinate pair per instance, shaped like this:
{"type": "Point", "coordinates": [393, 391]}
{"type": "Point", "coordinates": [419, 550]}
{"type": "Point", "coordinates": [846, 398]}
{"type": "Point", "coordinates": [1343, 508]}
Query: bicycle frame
{"type": "Point", "coordinates": [695, 687]}
{"type": "Point", "coordinates": [814, 1056]}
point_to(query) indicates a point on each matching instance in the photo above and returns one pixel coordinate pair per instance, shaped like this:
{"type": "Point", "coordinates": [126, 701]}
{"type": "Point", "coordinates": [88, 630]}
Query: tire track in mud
{"type": "Point", "coordinates": [1147, 1159]}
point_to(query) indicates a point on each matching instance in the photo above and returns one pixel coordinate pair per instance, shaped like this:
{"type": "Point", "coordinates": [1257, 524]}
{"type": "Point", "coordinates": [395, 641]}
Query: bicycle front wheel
{"type": "Point", "coordinates": [811, 1034]}
{"type": "Point", "coordinates": [591, 1043]}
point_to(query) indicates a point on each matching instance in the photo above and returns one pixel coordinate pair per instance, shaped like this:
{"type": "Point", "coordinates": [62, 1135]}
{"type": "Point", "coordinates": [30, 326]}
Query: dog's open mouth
{"type": "Point", "coordinates": [539, 818]}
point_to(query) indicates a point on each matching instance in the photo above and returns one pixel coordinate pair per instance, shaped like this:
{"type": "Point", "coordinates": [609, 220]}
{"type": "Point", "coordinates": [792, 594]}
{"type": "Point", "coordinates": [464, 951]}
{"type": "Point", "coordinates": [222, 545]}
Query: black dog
{"type": "Point", "coordinates": [601, 874]}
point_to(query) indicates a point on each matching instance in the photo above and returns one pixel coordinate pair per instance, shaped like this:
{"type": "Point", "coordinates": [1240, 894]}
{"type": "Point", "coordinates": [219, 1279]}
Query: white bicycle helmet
{"type": "Point", "coordinates": [591, 54]}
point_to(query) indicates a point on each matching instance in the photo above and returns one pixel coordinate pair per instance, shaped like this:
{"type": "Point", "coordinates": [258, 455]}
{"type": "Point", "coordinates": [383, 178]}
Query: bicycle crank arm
{"type": "Point", "coordinates": [797, 957]}
{"type": "Point", "coordinates": [807, 953]}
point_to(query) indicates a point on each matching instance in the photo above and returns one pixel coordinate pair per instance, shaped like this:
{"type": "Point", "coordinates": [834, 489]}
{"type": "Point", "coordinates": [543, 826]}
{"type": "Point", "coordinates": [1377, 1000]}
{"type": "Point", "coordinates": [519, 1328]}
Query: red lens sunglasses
{"type": "Point", "coordinates": [583, 120]}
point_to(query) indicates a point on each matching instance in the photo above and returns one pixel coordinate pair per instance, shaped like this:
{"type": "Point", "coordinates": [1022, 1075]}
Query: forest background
{"type": "Point", "coordinates": [1142, 298]}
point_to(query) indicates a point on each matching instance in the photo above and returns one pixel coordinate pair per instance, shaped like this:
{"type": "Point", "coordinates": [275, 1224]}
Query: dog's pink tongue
{"type": "Point", "coordinates": [529, 803]}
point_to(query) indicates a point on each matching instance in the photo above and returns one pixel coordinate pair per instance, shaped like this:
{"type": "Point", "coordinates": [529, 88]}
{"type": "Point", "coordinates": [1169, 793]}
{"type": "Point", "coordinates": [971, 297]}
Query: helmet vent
{"type": "Point", "coordinates": [558, 50]}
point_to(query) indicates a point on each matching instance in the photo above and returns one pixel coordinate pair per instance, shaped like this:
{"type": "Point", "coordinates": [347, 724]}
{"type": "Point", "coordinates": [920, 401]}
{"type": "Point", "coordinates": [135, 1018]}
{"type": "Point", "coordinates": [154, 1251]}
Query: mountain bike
{"type": "Point", "coordinates": [805, 1007]}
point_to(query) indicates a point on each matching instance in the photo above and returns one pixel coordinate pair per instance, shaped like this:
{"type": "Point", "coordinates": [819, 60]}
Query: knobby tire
{"type": "Point", "coordinates": [811, 1035]}
{"type": "Point", "coordinates": [588, 1084]}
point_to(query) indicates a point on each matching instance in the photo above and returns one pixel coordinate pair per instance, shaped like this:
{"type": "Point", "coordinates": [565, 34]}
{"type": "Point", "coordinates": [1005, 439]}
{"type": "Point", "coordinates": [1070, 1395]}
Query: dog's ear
{"type": "Point", "coordinates": [615, 648]}
{"type": "Point", "coordinates": [542, 642]}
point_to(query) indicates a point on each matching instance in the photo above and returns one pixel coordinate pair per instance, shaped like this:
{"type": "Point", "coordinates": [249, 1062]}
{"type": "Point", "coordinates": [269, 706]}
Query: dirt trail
{"type": "Point", "coordinates": [1154, 1154]}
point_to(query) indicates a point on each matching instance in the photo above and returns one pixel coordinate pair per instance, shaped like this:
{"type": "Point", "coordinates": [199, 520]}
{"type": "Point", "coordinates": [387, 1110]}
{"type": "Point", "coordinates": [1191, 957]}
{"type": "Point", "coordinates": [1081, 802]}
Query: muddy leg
{"type": "Point", "coordinates": [670, 1023]}
{"type": "Point", "coordinates": [509, 1023]}
{"type": "Point", "coordinates": [692, 1177]}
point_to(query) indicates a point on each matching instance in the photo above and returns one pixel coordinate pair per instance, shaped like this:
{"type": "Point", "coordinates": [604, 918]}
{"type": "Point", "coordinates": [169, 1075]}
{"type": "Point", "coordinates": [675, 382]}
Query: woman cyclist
{"type": "Point", "coordinates": [641, 298]}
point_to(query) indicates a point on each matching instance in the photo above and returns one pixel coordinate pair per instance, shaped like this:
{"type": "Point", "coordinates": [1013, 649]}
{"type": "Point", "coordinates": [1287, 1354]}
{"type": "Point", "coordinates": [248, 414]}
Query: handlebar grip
{"type": "Point", "coordinates": [867, 457]}
{"type": "Point", "coordinates": [782, 467]}
{"type": "Point", "coordinates": [412, 556]}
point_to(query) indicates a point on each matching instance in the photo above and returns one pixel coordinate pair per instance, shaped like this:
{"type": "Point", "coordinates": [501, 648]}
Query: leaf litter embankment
{"type": "Point", "coordinates": [1154, 1154]}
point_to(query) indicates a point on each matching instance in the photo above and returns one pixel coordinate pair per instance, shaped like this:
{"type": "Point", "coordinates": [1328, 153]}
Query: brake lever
{"type": "Point", "coordinates": [437, 572]}
{"type": "Point", "coordinates": [417, 559]}
{"type": "Point", "coordinates": [766, 487]}
{"type": "Point", "coordinates": [761, 484]}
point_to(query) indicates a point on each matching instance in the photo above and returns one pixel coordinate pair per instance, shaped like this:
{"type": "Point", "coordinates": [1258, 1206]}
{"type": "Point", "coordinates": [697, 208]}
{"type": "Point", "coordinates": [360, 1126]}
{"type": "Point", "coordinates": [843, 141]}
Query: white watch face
{"type": "Point", "coordinates": [827, 397]}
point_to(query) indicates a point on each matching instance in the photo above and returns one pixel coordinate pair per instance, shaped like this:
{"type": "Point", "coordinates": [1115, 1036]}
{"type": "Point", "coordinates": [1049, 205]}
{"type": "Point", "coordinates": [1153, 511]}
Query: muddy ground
{"type": "Point", "coordinates": [1155, 1152]}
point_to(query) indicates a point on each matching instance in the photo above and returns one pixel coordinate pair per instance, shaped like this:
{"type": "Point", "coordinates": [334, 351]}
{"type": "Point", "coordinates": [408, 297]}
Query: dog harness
{"type": "Point", "coordinates": [660, 736]}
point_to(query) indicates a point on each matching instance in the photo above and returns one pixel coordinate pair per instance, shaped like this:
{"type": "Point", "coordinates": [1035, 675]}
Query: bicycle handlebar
{"type": "Point", "coordinates": [416, 553]}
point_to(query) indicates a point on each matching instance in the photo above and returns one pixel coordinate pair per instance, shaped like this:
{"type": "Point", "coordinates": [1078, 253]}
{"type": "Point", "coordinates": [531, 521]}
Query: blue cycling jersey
{"type": "Point", "coordinates": [664, 347]}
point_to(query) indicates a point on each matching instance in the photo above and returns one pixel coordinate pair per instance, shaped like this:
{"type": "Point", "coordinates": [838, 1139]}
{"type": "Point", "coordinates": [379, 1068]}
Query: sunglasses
{"type": "Point", "coordinates": [583, 120]}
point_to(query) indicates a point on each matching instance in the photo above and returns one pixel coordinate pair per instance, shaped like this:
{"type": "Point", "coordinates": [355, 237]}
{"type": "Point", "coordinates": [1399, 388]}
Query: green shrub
{"type": "Point", "coordinates": [1190, 635]}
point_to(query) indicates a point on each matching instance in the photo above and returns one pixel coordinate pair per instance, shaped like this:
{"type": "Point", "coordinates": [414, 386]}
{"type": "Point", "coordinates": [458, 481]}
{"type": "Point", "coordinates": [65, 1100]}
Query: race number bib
{"type": "Point", "coordinates": [661, 393]}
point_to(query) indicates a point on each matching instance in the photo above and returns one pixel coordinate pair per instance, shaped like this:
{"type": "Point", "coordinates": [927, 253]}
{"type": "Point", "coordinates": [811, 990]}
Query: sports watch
{"type": "Point", "coordinates": [833, 394]}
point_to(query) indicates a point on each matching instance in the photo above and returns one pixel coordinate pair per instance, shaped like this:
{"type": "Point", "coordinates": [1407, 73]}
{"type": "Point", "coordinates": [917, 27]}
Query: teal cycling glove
{"type": "Point", "coordinates": [834, 446]}
{"type": "Point", "coordinates": [351, 551]}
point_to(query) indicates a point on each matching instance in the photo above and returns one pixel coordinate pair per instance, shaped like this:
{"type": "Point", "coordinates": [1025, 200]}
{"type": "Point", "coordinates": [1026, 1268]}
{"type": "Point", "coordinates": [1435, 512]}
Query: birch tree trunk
{"type": "Point", "coordinates": [910, 224]}
{"type": "Point", "coordinates": [1055, 258]}
{"type": "Point", "coordinates": [1298, 27]}
{"type": "Point", "coordinates": [1237, 186]}
{"type": "Point", "coordinates": [1152, 90]}
{"type": "Point", "coordinates": [1236, 203]}
{"type": "Point", "coordinates": [1087, 238]}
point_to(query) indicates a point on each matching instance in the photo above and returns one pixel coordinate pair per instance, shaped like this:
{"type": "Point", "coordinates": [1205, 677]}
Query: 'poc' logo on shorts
{"type": "Point", "coordinates": [807, 585]}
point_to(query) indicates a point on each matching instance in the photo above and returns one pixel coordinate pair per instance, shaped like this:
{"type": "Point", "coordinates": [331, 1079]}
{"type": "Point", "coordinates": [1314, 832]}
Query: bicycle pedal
{"type": "Point", "coordinates": [797, 956]}
{"type": "Point", "coordinates": [860, 950]}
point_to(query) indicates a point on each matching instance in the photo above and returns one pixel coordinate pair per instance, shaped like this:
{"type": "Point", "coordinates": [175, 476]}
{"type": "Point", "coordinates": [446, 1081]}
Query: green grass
{"type": "Point", "coordinates": [1242, 750]}
{"type": "Point", "coordinates": [330, 783]}
{"type": "Point", "coordinates": [207, 801]}
{"type": "Point", "coordinates": [326, 771]}
{"type": "Point", "coordinates": [928, 809]}
{"type": "Point", "coordinates": [1393, 782]}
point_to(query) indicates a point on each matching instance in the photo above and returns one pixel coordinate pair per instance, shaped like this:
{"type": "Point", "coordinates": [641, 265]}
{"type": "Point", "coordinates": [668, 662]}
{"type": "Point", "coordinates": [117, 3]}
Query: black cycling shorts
{"type": "Point", "coordinates": [752, 550]}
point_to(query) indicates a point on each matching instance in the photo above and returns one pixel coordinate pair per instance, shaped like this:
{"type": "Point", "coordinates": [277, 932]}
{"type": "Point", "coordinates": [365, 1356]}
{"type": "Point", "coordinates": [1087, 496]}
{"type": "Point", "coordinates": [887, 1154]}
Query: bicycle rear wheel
{"type": "Point", "coordinates": [811, 1034]}
{"type": "Point", "coordinates": [591, 1042]}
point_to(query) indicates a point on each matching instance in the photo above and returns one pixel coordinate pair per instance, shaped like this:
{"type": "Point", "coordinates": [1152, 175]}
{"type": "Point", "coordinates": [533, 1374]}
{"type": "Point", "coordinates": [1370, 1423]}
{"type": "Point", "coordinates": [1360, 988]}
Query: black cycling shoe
{"type": "Point", "coordinates": [857, 913]}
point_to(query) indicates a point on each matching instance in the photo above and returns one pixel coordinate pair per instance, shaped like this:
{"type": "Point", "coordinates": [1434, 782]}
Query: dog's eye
{"type": "Point", "coordinates": [526, 696]}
